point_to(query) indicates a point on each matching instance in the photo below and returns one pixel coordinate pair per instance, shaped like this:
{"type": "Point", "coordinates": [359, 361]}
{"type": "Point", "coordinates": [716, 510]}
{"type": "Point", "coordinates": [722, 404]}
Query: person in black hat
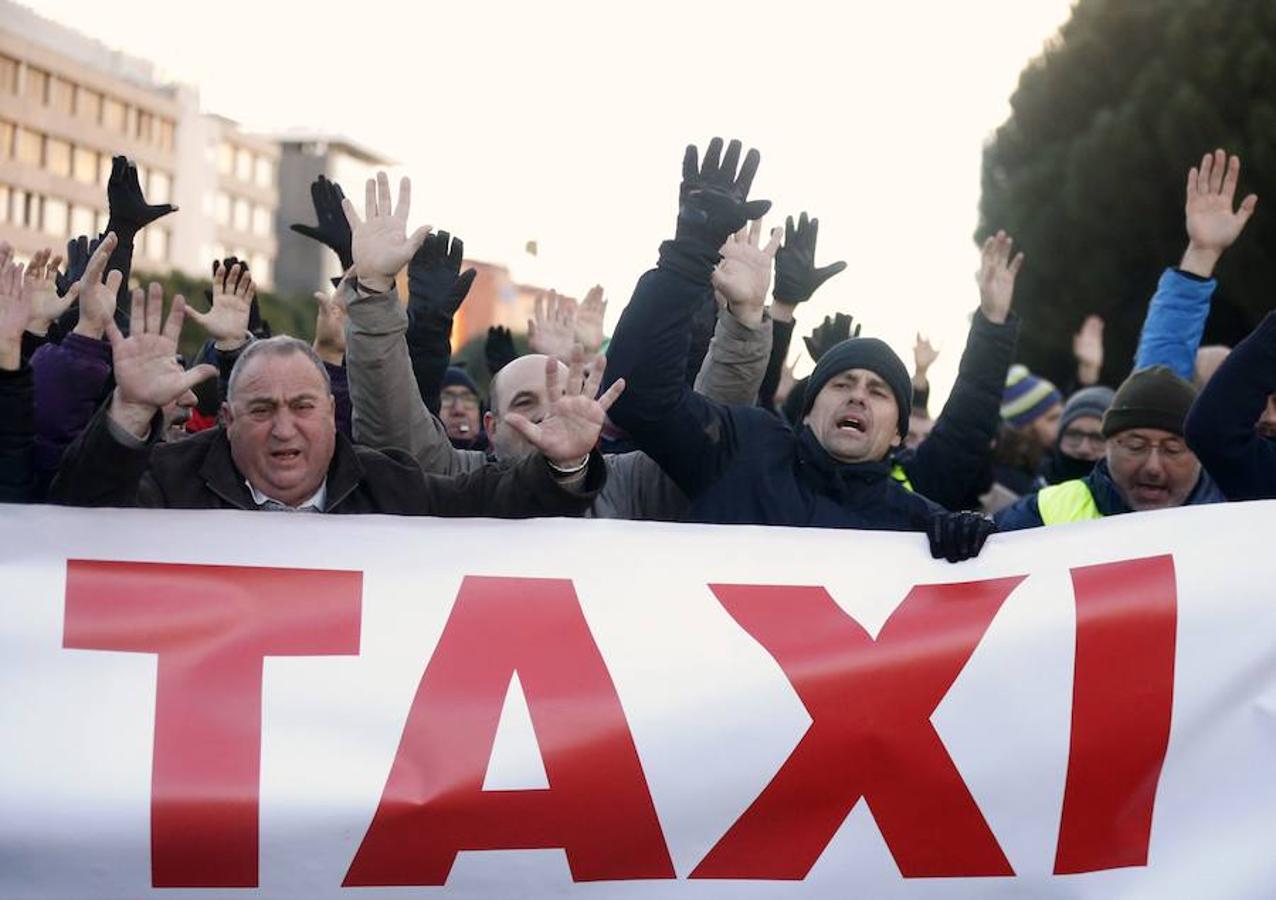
{"type": "Point", "coordinates": [461, 410]}
{"type": "Point", "coordinates": [1147, 464]}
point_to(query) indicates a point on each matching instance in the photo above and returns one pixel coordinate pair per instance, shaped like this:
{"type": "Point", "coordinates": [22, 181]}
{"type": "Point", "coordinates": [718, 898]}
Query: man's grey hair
{"type": "Point", "coordinates": [279, 345]}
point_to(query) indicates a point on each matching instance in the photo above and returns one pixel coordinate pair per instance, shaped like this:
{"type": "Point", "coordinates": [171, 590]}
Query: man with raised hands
{"type": "Point", "coordinates": [278, 448]}
{"type": "Point", "coordinates": [743, 464]}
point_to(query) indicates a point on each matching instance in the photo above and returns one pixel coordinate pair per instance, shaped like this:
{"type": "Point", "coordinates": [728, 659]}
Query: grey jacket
{"type": "Point", "coordinates": [388, 412]}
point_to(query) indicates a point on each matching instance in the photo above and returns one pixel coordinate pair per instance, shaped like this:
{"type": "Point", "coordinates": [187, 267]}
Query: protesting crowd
{"type": "Point", "coordinates": [692, 415]}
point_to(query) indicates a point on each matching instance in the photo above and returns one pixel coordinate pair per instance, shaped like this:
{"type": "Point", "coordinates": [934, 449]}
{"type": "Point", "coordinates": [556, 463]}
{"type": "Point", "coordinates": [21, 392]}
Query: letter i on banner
{"type": "Point", "coordinates": [597, 807]}
{"type": "Point", "coordinates": [211, 627]}
{"type": "Point", "coordinates": [871, 737]}
{"type": "Point", "coordinates": [1122, 698]}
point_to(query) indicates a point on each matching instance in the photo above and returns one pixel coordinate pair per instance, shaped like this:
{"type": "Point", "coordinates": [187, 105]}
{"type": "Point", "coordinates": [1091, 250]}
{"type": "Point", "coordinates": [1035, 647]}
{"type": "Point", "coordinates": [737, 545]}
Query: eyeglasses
{"type": "Point", "coordinates": [1171, 449]}
{"type": "Point", "coordinates": [463, 399]}
{"type": "Point", "coordinates": [1075, 439]}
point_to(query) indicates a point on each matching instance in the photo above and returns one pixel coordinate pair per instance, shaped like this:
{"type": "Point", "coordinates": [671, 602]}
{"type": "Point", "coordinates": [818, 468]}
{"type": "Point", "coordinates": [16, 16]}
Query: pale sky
{"type": "Point", "coordinates": [565, 122]}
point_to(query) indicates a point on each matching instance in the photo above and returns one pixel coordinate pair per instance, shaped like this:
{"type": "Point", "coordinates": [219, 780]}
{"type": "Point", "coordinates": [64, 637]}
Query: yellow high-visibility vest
{"type": "Point", "coordinates": [1070, 501]}
{"type": "Point", "coordinates": [901, 476]}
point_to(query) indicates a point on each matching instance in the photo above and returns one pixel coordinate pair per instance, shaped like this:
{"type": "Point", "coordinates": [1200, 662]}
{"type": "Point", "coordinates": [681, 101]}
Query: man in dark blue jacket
{"type": "Point", "coordinates": [744, 465]}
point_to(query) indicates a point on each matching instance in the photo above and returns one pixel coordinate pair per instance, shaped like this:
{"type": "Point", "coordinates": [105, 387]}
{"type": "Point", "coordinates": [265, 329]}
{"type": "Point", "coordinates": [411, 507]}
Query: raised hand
{"type": "Point", "coordinates": [227, 321]}
{"type": "Point", "coordinates": [333, 230]}
{"type": "Point", "coordinates": [147, 374]}
{"type": "Point", "coordinates": [39, 285]}
{"type": "Point", "coordinates": [380, 245]}
{"type": "Point", "coordinates": [743, 278]}
{"type": "Point", "coordinates": [78, 251]}
{"type": "Point", "coordinates": [499, 350]}
{"type": "Point", "coordinates": [574, 419]}
{"type": "Point", "coordinates": [924, 356]}
{"type": "Point", "coordinates": [796, 276]}
{"type": "Point", "coordinates": [828, 334]}
{"type": "Point", "coordinates": [15, 311]}
{"type": "Point", "coordinates": [589, 320]}
{"type": "Point", "coordinates": [1087, 349]}
{"type": "Point", "coordinates": [996, 277]}
{"type": "Point", "coordinates": [129, 210]}
{"type": "Point", "coordinates": [552, 331]}
{"type": "Point", "coordinates": [434, 274]}
{"type": "Point", "coordinates": [1212, 224]}
{"type": "Point", "coordinates": [97, 297]}
{"type": "Point", "coordinates": [330, 323]}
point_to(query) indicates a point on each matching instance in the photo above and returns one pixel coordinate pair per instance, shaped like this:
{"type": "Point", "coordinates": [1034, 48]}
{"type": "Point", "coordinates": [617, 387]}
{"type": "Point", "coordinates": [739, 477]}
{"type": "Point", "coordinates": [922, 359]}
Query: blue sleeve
{"type": "Point", "coordinates": [1220, 425]}
{"type": "Point", "coordinates": [1175, 322]}
{"type": "Point", "coordinates": [1020, 515]}
{"type": "Point", "coordinates": [690, 436]}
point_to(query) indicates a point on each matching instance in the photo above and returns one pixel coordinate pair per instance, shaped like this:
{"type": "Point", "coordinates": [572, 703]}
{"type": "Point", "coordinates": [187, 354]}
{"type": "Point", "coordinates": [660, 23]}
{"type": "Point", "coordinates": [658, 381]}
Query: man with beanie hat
{"type": "Point", "coordinates": [460, 409]}
{"type": "Point", "coordinates": [1032, 405]}
{"type": "Point", "coordinates": [1081, 442]}
{"type": "Point", "coordinates": [1147, 463]}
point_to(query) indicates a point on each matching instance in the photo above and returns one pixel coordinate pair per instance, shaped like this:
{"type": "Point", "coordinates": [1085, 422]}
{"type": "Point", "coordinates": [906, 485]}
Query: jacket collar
{"type": "Point", "coordinates": [223, 478]}
{"type": "Point", "coordinates": [837, 478]}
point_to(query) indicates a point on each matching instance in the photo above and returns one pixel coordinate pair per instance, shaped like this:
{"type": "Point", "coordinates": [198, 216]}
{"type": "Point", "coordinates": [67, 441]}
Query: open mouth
{"type": "Point", "coordinates": [285, 455]}
{"type": "Point", "coordinates": [852, 423]}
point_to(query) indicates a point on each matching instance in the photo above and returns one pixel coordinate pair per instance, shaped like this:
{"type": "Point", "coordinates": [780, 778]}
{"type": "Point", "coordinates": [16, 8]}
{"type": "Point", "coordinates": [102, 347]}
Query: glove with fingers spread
{"type": "Point", "coordinates": [956, 536]}
{"type": "Point", "coordinates": [713, 205]}
{"type": "Point", "coordinates": [828, 334]}
{"type": "Point", "coordinates": [130, 212]}
{"type": "Point", "coordinates": [435, 279]}
{"type": "Point", "coordinates": [796, 277]}
{"type": "Point", "coordinates": [333, 230]}
{"type": "Point", "coordinates": [499, 350]}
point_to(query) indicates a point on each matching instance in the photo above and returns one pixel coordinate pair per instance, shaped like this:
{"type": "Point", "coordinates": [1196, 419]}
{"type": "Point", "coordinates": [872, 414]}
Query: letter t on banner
{"type": "Point", "coordinates": [211, 626]}
{"type": "Point", "coordinates": [870, 736]}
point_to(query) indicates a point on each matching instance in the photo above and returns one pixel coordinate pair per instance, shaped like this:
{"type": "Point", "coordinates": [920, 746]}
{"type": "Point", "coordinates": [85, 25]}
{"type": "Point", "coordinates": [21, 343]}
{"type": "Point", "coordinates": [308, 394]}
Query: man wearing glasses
{"type": "Point", "coordinates": [460, 410]}
{"type": "Point", "coordinates": [1146, 462]}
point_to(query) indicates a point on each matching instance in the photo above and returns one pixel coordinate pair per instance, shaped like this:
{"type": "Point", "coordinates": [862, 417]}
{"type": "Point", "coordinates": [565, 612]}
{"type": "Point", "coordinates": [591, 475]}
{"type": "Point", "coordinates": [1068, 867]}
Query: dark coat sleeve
{"type": "Point", "coordinates": [340, 394]}
{"type": "Point", "coordinates": [1019, 515]}
{"type": "Point", "coordinates": [99, 470]}
{"type": "Point", "coordinates": [429, 338]}
{"type": "Point", "coordinates": [781, 338]}
{"type": "Point", "coordinates": [1220, 425]}
{"type": "Point", "coordinates": [949, 465]}
{"type": "Point", "coordinates": [17, 436]}
{"type": "Point", "coordinates": [690, 436]}
{"type": "Point", "coordinates": [523, 490]}
{"type": "Point", "coordinates": [70, 384]}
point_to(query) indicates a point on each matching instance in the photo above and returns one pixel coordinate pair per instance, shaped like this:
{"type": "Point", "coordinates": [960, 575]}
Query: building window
{"type": "Point", "coordinates": [27, 147]}
{"type": "Point", "coordinates": [21, 208]}
{"type": "Point", "coordinates": [57, 157]}
{"type": "Point", "coordinates": [145, 126]}
{"type": "Point", "coordinates": [265, 172]}
{"type": "Point", "coordinates": [4, 202]}
{"type": "Point", "coordinates": [164, 136]}
{"type": "Point", "coordinates": [241, 222]}
{"type": "Point", "coordinates": [112, 114]}
{"type": "Point", "coordinates": [221, 208]}
{"type": "Point", "coordinates": [102, 220]}
{"type": "Point", "coordinates": [37, 85]}
{"type": "Point", "coordinates": [88, 105]}
{"type": "Point", "coordinates": [61, 95]}
{"type": "Point", "coordinates": [156, 243]}
{"type": "Point", "coordinates": [8, 75]}
{"type": "Point", "coordinates": [84, 166]}
{"type": "Point", "coordinates": [83, 221]}
{"type": "Point", "coordinates": [244, 165]}
{"type": "Point", "coordinates": [56, 217]}
{"type": "Point", "coordinates": [130, 120]}
{"type": "Point", "coordinates": [261, 269]}
{"type": "Point", "coordinates": [261, 220]}
{"type": "Point", "coordinates": [6, 139]}
{"type": "Point", "coordinates": [160, 188]}
{"type": "Point", "coordinates": [225, 159]}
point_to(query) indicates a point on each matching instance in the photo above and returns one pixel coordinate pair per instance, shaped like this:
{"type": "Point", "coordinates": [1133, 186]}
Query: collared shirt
{"type": "Point", "coordinates": [314, 505]}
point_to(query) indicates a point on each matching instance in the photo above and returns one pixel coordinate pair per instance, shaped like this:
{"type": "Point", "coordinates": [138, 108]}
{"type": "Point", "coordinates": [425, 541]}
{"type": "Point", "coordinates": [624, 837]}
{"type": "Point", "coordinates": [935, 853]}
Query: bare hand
{"type": "Point", "coordinates": [381, 246]}
{"type": "Point", "coordinates": [97, 297]}
{"type": "Point", "coordinates": [147, 374]}
{"type": "Point", "coordinates": [1087, 349]}
{"type": "Point", "coordinates": [1212, 224]}
{"type": "Point", "coordinates": [227, 321]}
{"type": "Point", "coordinates": [552, 331]}
{"type": "Point", "coordinates": [996, 277]}
{"type": "Point", "coordinates": [330, 323]}
{"type": "Point", "coordinates": [574, 419]}
{"type": "Point", "coordinates": [589, 320]}
{"type": "Point", "coordinates": [924, 355]}
{"type": "Point", "coordinates": [40, 286]}
{"type": "Point", "coordinates": [15, 312]}
{"type": "Point", "coordinates": [742, 279]}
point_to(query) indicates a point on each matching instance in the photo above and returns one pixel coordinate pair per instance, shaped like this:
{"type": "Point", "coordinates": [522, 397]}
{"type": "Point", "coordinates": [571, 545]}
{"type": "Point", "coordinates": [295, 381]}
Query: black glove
{"type": "Point", "coordinates": [130, 212]}
{"type": "Point", "coordinates": [713, 204]}
{"type": "Point", "coordinates": [333, 230]}
{"type": "Point", "coordinates": [499, 350]}
{"type": "Point", "coordinates": [796, 277]}
{"type": "Point", "coordinates": [955, 536]}
{"type": "Point", "coordinates": [435, 278]}
{"type": "Point", "coordinates": [78, 251]}
{"type": "Point", "coordinates": [828, 334]}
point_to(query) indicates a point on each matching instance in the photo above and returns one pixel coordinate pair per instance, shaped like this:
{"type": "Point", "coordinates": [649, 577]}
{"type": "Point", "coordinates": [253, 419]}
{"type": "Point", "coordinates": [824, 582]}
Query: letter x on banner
{"type": "Point", "coordinates": [222, 704]}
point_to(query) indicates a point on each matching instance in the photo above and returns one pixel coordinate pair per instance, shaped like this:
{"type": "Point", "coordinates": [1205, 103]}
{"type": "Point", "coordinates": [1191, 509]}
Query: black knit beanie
{"type": "Point", "coordinates": [864, 353]}
{"type": "Point", "coordinates": [1150, 398]}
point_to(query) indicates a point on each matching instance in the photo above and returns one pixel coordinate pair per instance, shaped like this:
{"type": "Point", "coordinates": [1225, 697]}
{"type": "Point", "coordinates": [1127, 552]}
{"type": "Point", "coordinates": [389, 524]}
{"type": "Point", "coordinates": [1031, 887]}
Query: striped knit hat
{"type": "Point", "coordinates": [1026, 397]}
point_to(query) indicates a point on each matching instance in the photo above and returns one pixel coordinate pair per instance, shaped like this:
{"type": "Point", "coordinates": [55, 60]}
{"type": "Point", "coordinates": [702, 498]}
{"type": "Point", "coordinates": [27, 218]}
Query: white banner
{"type": "Point", "coordinates": [200, 704]}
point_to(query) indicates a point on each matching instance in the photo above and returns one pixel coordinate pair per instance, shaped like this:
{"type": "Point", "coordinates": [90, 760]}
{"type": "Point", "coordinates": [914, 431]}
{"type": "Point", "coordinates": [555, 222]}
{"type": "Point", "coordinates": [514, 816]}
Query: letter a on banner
{"type": "Point", "coordinates": [871, 736]}
{"type": "Point", "coordinates": [597, 806]}
{"type": "Point", "coordinates": [1122, 696]}
{"type": "Point", "coordinates": [211, 627]}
